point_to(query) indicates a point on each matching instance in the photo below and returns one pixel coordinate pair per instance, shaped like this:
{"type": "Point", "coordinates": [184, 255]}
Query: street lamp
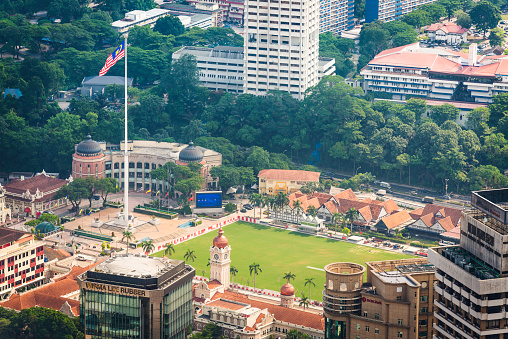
{"type": "Point", "coordinates": [446, 187]}
{"type": "Point", "coordinates": [356, 173]}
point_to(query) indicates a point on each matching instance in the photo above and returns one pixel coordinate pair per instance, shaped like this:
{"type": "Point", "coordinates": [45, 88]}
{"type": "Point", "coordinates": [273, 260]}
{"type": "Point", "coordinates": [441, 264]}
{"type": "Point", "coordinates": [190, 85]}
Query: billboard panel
{"type": "Point", "coordinates": [209, 199]}
{"type": "Point", "coordinates": [481, 201]}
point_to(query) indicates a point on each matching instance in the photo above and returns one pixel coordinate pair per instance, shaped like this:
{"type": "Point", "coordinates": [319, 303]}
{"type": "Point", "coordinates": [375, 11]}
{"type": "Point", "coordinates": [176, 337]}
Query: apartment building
{"type": "Point", "coordinates": [139, 18]}
{"type": "Point", "coordinates": [222, 68]}
{"type": "Point", "coordinates": [336, 16]}
{"type": "Point", "coordinates": [281, 46]}
{"type": "Point", "coordinates": [394, 302]}
{"type": "Point", "coordinates": [21, 261]}
{"type": "Point", "coordinates": [414, 71]}
{"type": "Point", "coordinates": [472, 278]}
{"type": "Point", "coordinates": [389, 10]}
{"type": "Point", "coordinates": [233, 9]}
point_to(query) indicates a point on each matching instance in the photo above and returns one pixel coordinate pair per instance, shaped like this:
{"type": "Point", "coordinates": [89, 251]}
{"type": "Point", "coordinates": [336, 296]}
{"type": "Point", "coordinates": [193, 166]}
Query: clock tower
{"type": "Point", "coordinates": [219, 259]}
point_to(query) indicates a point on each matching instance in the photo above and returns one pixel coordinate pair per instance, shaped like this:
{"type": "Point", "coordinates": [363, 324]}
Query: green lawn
{"type": "Point", "coordinates": [279, 251]}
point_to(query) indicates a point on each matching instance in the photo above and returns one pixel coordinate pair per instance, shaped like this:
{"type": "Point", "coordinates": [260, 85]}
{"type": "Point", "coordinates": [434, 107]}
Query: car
{"type": "Point", "coordinates": [243, 210]}
{"type": "Point", "coordinates": [414, 193]}
{"type": "Point", "coordinates": [247, 205]}
{"type": "Point", "coordinates": [446, 197]}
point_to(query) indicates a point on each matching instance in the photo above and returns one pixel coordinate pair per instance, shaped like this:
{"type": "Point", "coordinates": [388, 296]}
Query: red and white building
{"type": "Point", "coordinates": [449, 32]}
{"type": "Point", "coordinates": [21, 261]}
{"type": "Point", "coordinates": [437, 73]}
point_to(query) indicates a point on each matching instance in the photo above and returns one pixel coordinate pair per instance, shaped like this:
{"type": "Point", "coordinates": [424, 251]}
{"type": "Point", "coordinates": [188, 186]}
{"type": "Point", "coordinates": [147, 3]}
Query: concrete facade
{"type": "Point", "coordinates": [389, 10]}
{"type": "Point", "coordinates": [281, 46]}
{"type": "Point", "coordinates": [336, 16]}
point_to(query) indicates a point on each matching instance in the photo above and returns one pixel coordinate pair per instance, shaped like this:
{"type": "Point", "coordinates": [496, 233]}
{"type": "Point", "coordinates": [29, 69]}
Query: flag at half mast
{"type": "Point", "coordinates": [117, 54]}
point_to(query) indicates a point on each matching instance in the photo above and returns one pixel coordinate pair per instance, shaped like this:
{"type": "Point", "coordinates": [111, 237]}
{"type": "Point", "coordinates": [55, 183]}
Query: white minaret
{"type": "Point", "coordinates": [220, 260]}
{"type": "Point", "coordinates": [281, 46]}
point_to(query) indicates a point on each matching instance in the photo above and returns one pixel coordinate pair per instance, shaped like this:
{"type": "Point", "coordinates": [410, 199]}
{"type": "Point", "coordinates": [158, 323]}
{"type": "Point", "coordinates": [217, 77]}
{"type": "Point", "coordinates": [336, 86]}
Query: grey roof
{"type": "Point", "coordinates": [88, 147]}
{"type": "Point", "coordinates": [105, 80]}
{"type": "Point", "coordinates": [191, 154]}
{"type": "Point", "coordinates": [137, 266]}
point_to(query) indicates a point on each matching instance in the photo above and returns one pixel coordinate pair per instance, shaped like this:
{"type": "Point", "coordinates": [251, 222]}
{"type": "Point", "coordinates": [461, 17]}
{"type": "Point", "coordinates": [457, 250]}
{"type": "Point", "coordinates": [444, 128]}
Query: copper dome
{"type": "Point", "coordinates": [220, 241]}
{"type": "Point", "coordinates": [287, 289]}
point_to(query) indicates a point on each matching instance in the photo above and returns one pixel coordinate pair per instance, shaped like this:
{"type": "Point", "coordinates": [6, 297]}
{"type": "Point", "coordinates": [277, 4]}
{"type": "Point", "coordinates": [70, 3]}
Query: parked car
{"type": "Point", "coordinates": [243, 210]}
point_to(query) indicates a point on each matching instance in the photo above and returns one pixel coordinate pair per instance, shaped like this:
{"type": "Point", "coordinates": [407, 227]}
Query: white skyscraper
{"type": "Point", "coordinates": [281, 46]}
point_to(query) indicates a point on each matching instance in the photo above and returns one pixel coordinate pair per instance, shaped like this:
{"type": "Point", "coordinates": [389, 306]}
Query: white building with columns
{"type": "Point", "coordinates": [281, 46]}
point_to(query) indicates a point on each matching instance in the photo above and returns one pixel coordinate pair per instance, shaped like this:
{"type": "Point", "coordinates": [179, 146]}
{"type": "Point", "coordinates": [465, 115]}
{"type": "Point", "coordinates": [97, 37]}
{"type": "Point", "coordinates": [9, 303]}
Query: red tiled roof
{"type": "Point", "coordinates": [396, 219]}
{"type": "Point", "coordinates": [296, 175]}
{"type": "Point", "coordinates": [213, 284]}
{"type": "Point", "coordinates": [453, 233]}
{"type": "Point", "coordinates": [446, 223]}
{"type": "Point", "coordinates": [293, 316]}
{"type": "Point", "coordinates": [390, 206]}
{"type": "Point", "coordinates": [416, 214]}
{"type": "Point", "coordinates": [322, 195]}
{"type": "Point", "coordinates": [52, 254]}
{"type": "Point", "coordinates": [427, 219]}
{"type": "Point", "coordinates": [41, 182]}
{"type": "Point", "coordinates": [347, 194]}
{"type": "Point", "coordinates": [453, 213]}
{"type": "Point", "coordinates": [226, 304]}
{"type": "Point", "coordinates": [35, 298]}
{"type": "Point", "coordinates": [331, 206]}
{"type": "Point", "coordinates": [449, 27]}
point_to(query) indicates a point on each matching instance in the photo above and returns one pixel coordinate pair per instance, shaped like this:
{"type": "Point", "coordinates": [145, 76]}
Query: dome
{"type": "Point", "coordinates": [45, 227]}
{"type": "Point", "coordinates": [220, 241]}
{"type": "Point", "coordinates": [287, 289]}
{"type": "Point", "coordinates": [191, 154]}
{"type": "Point", "coordinates": [88, 147]}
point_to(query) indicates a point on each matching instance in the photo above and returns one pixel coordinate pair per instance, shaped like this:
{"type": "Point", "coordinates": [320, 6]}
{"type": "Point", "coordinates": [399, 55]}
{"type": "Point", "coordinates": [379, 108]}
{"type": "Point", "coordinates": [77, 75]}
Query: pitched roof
{"type": "Point", "coordinates": [41, 182]}
{"type": "Point", "coordinates": [446, 223]}
{"type": "Point", "coordinates": [448, 27]}
{"type": "Point", "coordinates": [331, 206]}
{"type": "Point", "coordinates": [347, 194]}
{"type": "Point", "coordinates": [213, 284]}
{"type": "Point", "coordinates": [453, 213]}
{"type": "Point", "coordinates": [416, 214]}
{"type": "Point", "coordinates": [322, 195]}
{"type": "Point", "coordinates": [390, 206]}
{"type": "Point", "coordinates": [366, 213]}
{"type": "Point", "coordinates": [293, 316]}
{"type": "Point", "coordinates": [427, 219]}
{"type": "Point", "coordinates": [296, 175]}
{"type": "Point", "coordinates": [52, 254]}
{"type": "Point", "coordinates": [395, 219]}
{"type": "Point", "coordinates": [8, 235]}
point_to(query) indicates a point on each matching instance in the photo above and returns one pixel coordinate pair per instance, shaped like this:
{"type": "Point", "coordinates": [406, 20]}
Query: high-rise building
{"type": "Point", "coordinates": [132, 296]}
{"type": "Point", "coordinates": [472, 278]}
{"type": "Point", "coordinates": [336, 16]}
{"type": "Point", "coordinates": [389, 10]}
{"type": "Point", "coordinates": [21, 261]}
{"type": "Point", "coordinates": [394, 302]}
{"type": "Point", "coordinates": [281, 46]}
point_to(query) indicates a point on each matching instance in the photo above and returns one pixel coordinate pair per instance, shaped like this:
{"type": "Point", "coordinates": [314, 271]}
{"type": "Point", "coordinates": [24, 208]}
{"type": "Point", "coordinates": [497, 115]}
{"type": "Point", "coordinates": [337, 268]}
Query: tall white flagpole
{"type": "Point", "coordinates": [126, 156]}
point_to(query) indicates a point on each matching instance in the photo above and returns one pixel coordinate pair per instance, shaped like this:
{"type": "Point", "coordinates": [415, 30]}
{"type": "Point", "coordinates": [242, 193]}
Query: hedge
{"type": "Point", "coordinates": [162, 214]}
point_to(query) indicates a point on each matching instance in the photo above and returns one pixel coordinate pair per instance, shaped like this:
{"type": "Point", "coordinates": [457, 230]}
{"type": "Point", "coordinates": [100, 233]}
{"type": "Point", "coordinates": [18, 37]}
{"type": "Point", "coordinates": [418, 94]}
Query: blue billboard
{"type": "Point", "coordinates": [209, 199]}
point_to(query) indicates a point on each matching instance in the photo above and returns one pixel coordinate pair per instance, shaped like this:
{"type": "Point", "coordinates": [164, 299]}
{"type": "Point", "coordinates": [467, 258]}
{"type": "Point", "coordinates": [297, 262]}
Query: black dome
{"type": "Point", "coordinates": [191, 154]}
{"type": "Point", "coordinates": [88, 147]}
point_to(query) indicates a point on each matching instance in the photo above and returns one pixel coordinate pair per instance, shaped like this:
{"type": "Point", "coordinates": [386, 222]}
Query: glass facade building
{"type": "Point", "coordinates": [132, 296]}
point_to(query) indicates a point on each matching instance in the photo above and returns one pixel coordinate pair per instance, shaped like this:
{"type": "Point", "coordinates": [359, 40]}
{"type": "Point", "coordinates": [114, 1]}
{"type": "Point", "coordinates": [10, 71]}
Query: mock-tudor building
{"type": "Point", "coordinates": [34, 194]}
{"type": "Point", "coordinates": [449, 32]}
{"type": "Point", "coordinates": [434, 219]}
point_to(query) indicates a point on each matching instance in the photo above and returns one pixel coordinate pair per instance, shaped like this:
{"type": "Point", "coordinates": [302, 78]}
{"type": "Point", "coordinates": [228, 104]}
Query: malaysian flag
{"type": "Point", "coordinates": [113, 58]}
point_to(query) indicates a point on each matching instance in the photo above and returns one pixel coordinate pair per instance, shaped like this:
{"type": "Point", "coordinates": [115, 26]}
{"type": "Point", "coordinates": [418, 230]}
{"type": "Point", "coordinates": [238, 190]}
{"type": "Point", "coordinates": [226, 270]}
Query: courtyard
{"type": "Point", "coordinates": [278, 251]}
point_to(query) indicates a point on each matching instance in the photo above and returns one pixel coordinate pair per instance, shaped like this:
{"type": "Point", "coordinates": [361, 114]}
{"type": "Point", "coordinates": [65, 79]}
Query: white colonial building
{"type": "Point", "coordinates": [4, 211]}
{"type": "Point", "coordinates": [449, 32]}
{"type": "Point", "coordinates": [413, 71]}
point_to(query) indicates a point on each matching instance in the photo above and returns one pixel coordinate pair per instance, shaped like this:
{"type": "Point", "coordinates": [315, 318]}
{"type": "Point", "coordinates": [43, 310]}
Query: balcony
{"type": "Point", "coordinates": [439, 276]}
{"type": "Point", "coordinates": [447, 281]}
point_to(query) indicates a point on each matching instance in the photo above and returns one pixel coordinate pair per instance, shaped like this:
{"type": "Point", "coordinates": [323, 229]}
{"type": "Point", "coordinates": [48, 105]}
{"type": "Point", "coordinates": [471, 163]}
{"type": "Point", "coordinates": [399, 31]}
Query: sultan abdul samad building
{"type": "Point", "coordinates": [247, 316]}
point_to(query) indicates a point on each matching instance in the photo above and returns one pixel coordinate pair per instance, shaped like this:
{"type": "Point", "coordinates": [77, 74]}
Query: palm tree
{"type": "Point", "coordinates": [148, 246]}
{"type": "Point", "coordinates": [335, 220]}
{"type": "Point", "coordinates": [233, 271]}
{"type": "Point", "coordinates": [256, 269]}
{"type": "Point", "coordinates": [262, 203]}
{"type": "Point", "coordinates": [255, 199]}
{"type": "Point", "coordinates": [128, 236]}
{"type": "Point", "coordinates": [346, 231]}
{"type": "Point", "coordinates": [281, 200]}
{"type": "Point", "coordinates": [309, 281]}
{"type": "Point", "coordinates": [269, 202]}
{"type": "Point", "coordinates": [169, 249]}
{"type": "Point", "coordinates": [297, 206]}
{"type": "Point", "coordinates": [352, 215]}
{"type": "Point", "coordinates": [288, 276]}
{"type": "Point", "coordinates": [189, 256]}
{"type": "Point", "coordinates": [304, 301]}
{"type": "Point", "coordinates": [312, 210]}
{"type": "Point", "coordinates": [398, 234]}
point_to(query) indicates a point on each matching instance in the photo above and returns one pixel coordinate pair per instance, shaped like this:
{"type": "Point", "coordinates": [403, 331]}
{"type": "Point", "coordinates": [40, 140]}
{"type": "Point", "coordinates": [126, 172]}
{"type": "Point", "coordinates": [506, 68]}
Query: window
{"type": "Point", "coordinates": [376, 315]}
{"type": "Point", "coordinates": [424, 310]}
{"type": "Point", "coordinates": [399, 334]}
{"type": "Point", "coordinates": [400, 322]}
{"type": "Point", "coordinates": [117, 165]}
{"type": "Point", "coordinates": [367, 329]}
{"type": "Point", "coordinates": [376, 330]}
{"type": "Point", "coordinates": [365, 314]}
{"type": "Point", "coordinates": [424, 298]}
{"type": "Point", "coordinates": [357, 326]}
{"type": "Point", "coordinates": [423, 322]}
{"type": "Point", "coordinates": [399, 298]}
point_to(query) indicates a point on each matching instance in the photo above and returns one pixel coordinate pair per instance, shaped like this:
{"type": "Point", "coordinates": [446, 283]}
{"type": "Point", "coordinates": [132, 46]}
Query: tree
{"type": "Point", "coordinates": [450, 6]}
{"type": "Point", "coordinates": [106, 186]}
{"type": "Point", "coordinates": [288, 276]}
{"type": "Point", "coordinates": [281, 200]}
{"type": "Point", "coordinates": [128, 237]}
{"type": "Point", "coordinates": [312, 210]}
{"type": "Point", "coordinates": [255, 269]}
{"type": "Point", "coordinates": [442, 113]}
{"type": "Point", "coordinates": [404, 38]}
{"type": "Point", "coordinates": [190, 255]}
{"type": "Point", "coordinates": [168, 249]}
{"type": "Point", "coordinates": [310, 282]}
{"type": "Point", "coordinates": [486, 177]}
{"type": "Point", "coordinates": [297, 206]}
{"type": "Point", "coordinates": [258, 159]}
{"type": "Point", "coordinates": [148, 246]}
{"type": "Point", "coordinates": [304, 301]}
{"type": "Point", "coordinates": [295, 334]}
{"type": "Point", "coordinates": [233, 271]}
{"type": "Point", "coordinates": [496, 37]}
{"type": "Point", "coordinates": [169, 25]}
{"type": "Point", "coordinates": [417, 18]}
{"type": "Point", "coordinates": [463, 19]}
{"type": "Point", "coordinates": [477, 120]}
{"type": "Point", "coordinates": [485, 16]}
{"type": "Point", "coordinates": [335, 220]}
{"type": "Point", "coordinates": [346, 231]}
{"type": "Point", "coordinates": [74, 191]}
{"type": "Point", "coordinates": [42, 323]}
{"type": "Point", "coordinates": [352, 215]}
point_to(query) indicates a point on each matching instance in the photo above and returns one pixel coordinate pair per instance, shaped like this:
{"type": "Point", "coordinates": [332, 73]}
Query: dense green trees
{"type": "Point", "coordinates": [485, 16]}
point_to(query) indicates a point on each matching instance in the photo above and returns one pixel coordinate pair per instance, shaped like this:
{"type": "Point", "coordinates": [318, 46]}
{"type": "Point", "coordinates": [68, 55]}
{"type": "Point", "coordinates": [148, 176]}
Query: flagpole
{"type": "Point", "coordinates": [126, 156]}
